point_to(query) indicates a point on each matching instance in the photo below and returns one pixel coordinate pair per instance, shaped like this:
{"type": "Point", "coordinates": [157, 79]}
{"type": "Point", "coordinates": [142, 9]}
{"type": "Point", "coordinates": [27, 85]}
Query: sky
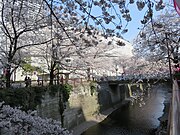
{"type": "Point", "coordinates": [137, 16]}
{"type": "Point", "coordinates": [133, 25]}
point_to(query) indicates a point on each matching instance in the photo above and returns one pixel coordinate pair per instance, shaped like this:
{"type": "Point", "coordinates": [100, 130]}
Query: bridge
{"type": "Point", "coordinates": [174, 111]}
{"type": "Point", "coordinates": [135, 78]}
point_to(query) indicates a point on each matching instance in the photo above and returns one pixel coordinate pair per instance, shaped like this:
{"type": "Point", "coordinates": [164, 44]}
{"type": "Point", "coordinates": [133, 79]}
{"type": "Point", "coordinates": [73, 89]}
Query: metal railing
{"type": "Point", "coordinates": [73, 81]}
{"type": "Point", "coordinates": [174, 112]}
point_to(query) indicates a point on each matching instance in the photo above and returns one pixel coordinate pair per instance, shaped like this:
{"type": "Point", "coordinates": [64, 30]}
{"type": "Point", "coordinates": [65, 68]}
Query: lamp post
{"type": "Point", "coordinates": [58, 74]}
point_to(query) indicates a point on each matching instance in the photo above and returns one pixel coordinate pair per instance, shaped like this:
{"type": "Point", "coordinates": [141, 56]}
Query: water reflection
{"type": "Point", "coordinates": [139, 118]}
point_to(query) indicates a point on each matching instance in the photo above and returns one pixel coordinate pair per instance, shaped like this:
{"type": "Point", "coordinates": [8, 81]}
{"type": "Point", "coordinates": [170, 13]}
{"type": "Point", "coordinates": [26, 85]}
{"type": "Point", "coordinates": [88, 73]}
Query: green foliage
{"type": "Point", "coordinates": [26, 98]}
{"type": "Point", "coordinates": [66, 89]}
{"type": "Point", "coordinates": [29, 98]}
{"type": "Point", "coordinates": [26, 65]}
{"type": "Point", "coordinates": [177, 75]}
{"type": "Point", "coordinates": [53, 89]}
{"type": "Point", "coordinates": [28, 68]}
{"type": "Point", "coordinates": [38, 69]}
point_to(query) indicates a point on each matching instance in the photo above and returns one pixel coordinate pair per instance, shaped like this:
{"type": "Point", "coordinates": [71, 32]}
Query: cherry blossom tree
{"type": "Point", "coordinates": [111, 16]}
{"type": "Point", "coordinates": [159, 41]}
{"type": "Point", "coordinates": [138, 66]}
{"type": "Point", "coordinates": [21, 27]}
{"type": "Point", "coordinates": [69, 45]}
{"type": "Point", "coordinates": [152, 41]}
{"type": "Point", "coordinates": [14, 121]}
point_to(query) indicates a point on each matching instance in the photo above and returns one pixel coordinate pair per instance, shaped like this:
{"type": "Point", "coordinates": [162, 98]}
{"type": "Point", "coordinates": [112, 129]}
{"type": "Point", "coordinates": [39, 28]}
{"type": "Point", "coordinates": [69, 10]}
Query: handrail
{"type": "Point", "coordinates": [174, 116]}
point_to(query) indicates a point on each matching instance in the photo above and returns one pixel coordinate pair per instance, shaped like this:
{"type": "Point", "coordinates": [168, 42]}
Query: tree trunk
{"type": "Point", "coordinates": [88, 74]}
{"type": "Point", "coordinates": [8, 77]}
{"type": "Point", "coordinates": [61, 108]}
{"type": "Point", "coordinates": [51, 77]}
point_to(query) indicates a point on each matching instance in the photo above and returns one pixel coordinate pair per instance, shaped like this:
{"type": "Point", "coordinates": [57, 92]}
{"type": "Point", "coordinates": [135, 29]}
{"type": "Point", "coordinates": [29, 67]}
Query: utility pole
{"type": "Point", "coordinates": [169, 60]}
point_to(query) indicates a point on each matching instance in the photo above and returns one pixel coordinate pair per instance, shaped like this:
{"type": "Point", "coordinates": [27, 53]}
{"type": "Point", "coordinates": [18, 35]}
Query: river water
{"type": "Point", "coordinates": [137, 118]}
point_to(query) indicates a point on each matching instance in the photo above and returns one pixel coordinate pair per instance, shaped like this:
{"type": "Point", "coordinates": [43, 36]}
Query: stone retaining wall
{"type": "Point", "coordinates": [83, 104]}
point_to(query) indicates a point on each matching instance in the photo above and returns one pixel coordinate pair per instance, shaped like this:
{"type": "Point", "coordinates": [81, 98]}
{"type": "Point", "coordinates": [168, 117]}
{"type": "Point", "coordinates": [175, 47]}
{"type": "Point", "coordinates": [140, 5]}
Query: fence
{"type": "Point", "coordinates": [73, 81]}
{"type": "Point", "coordinates": [174, 112]}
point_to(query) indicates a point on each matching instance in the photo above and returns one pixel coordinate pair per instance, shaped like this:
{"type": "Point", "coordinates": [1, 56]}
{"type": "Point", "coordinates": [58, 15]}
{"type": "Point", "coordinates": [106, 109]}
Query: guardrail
{"type": "Point", "coordinates": [73, 81]}
{"type": "Point", "coordinates": [174, 112]}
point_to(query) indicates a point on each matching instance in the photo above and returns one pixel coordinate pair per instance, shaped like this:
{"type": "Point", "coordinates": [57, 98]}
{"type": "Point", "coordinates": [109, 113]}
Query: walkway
{"type": "Point", "coordinates": [78, 130]}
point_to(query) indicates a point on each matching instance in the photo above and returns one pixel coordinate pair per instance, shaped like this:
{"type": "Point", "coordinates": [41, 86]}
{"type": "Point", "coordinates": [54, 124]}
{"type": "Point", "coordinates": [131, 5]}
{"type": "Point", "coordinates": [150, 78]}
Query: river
{"type": "Point", "coordinates": [137, 118]}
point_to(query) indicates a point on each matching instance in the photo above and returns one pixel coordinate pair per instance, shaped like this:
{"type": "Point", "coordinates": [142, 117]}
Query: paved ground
{"type": "Point", "coordinates": [78, 130]}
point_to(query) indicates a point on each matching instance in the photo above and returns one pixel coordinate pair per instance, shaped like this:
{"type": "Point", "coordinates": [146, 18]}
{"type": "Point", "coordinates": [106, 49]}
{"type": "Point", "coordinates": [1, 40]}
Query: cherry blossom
{"type": "Point", "coordinates": [14, 121]}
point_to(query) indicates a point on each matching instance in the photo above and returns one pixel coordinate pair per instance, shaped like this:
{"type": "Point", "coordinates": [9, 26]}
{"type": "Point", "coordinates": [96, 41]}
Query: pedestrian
{"type": "Point", "coordinates": [29, 81]}
{"type": "Point", "coordinates": [61, 80]}
{"type": "Point", "coordinates": [26, 81]}
{"type": "Point", "coordinates": [38, 80]}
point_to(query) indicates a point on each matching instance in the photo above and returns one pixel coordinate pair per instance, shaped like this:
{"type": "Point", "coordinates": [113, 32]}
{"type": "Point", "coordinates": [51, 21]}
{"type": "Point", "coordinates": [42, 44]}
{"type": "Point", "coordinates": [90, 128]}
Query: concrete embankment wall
{"type": "Point", "coordinates": [84, 104]}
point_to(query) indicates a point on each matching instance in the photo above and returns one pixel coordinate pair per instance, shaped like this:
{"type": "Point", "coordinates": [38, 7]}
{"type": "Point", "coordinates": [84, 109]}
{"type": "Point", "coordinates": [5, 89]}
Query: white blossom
{"type": "Point", "coordinates": [14, 121]}
{"type": "Point", "coordinates": [140, 5]}
{"type": "Point", "coordinates": [159, 6]}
